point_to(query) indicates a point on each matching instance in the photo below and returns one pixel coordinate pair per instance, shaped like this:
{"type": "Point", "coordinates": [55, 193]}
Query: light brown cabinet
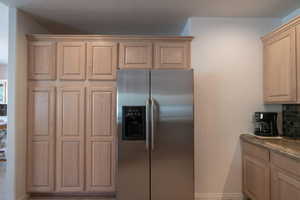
{"type": "Point", "coordinates": [284, 185]}
{"type": "Point", "coordinates": [269, 175]}
{"type": "Point", "coordinates": [256, 172]}
{"type": "Point", "coordinates": [135, 55]}
{"type": "Point", "coordinates": [71, 60]}
{"type": "Point", "coordinates": [41, 138]}
{"type": "Point", "coordinates": [70, 139]}
{"type": "Point", "coordinates": [102, 60]}
{"type": "Point", "coordinates": [41, 60]}
{"type": "Point", "coordinates": [280, 68]}
{"type": "Point", "coordinates": [72, 106]}
{"type": "Point", "coordinates": [281, 64]}
{"type": "Point", "coordinates": [172, 55]}
{"type": "Point", "coordinates": [100, 144]}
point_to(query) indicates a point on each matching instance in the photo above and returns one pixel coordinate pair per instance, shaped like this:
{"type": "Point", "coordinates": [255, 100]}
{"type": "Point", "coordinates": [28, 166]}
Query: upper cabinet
{"type": "Point", "coordinates": [83, 57]}
{"type": "Point", "coordinates": [280, 64]}
{"type": "Point", "coordinates": [41, 60]}
{"type": "Point", "coordinates": [71, 60]}
{"type": "Point", "coordinates": [102, 60]}
{"type": "Point", "coordinates": [172, 55]}
{"type": "Point", "coordinates": [134, 55]}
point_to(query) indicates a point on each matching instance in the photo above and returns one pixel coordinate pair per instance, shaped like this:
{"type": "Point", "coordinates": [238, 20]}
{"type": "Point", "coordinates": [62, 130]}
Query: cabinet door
{"type": "Point", "coordinates": [71, 60]}
{"type": "Point", "coordinates": [284, 186]}
{"type": "Point", "coordinates": [135, 55]}
{"type": "Point", "coordinates": [70, 139]}
{"type": "Point", "coordinates": [100, 148]}
{"type": "Point", "coordinates": [41, 130]}
{"type": "Point", "coordinates": [256, 178]}
{"type": "Point", "coordinates": [41, 60]}
{"type": "Point", "coordinates": [101, 60]}
{"type": "Point", "coordinates": [280, 68]}
{"type": "Point", "coordinates": [172, 55]}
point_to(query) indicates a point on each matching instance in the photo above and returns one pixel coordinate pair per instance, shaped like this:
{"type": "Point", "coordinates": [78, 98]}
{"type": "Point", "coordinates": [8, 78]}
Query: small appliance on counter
{"type": "Point", "coordinates": [266, 124]}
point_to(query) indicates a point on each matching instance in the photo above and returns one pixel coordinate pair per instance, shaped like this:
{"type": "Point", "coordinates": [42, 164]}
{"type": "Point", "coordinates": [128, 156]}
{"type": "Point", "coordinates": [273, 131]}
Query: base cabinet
{"type": "Point", "coordinates": [273, 176]}
{"type": "Point", "coordinates": [256, 173]}
{"type": "Point", "coordinates": [285, 186]}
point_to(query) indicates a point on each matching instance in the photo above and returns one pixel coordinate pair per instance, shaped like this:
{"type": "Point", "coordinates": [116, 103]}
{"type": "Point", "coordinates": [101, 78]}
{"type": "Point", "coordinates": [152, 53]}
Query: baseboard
{"type": "Point", "coordinates": [25, 197]}
{"type": "Point", "coordinates": [219, 196]}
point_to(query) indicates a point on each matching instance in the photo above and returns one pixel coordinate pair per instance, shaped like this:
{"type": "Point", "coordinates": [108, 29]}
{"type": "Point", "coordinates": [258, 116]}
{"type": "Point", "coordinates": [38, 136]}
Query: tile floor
{"type": "Point", "coordinates": [3, 194]}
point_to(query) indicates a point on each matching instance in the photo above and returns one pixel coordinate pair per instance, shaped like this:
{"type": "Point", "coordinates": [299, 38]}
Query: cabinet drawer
{"type": "Point", "coordinates": [285, 163]}
{"type": "Point", "coordinates": [256, 151]}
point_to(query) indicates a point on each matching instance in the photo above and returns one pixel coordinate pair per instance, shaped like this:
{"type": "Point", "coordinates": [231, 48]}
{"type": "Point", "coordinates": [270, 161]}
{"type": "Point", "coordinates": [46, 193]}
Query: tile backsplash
{"type": "Point", "coordinates": [291, 120]}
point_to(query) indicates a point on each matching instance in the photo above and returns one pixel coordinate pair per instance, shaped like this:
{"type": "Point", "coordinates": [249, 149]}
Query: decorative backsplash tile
{"type": "Point", "coordinates": [291, 120]}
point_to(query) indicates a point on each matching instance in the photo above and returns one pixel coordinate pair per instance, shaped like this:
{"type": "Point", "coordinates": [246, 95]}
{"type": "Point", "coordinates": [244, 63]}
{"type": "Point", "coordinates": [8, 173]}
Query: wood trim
{"type": "Point", "coordinates": [34, 37]}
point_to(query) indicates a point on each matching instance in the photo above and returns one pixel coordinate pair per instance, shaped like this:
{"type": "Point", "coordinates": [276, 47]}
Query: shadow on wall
{"type": "Point", "coordinates": [232, 175]}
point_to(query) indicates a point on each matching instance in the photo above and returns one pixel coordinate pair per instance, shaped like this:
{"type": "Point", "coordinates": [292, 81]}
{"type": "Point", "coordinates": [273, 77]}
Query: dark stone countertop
{"type": "Point", "coordinates": [285, 146]}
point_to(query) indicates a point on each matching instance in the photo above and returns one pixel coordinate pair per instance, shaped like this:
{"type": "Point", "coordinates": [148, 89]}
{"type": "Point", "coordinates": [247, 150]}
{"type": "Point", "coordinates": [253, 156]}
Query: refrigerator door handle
{"type": "Point", "coordinates": [147, 123]}
{"type": "Point", "coordinates": [152, 123]}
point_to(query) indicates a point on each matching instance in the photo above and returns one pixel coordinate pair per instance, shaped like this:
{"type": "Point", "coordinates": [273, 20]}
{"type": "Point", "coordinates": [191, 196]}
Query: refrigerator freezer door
{"type": "Point", "coordinates": [133, 180]}
{"type": "Point", "coordinates": [172, 155]}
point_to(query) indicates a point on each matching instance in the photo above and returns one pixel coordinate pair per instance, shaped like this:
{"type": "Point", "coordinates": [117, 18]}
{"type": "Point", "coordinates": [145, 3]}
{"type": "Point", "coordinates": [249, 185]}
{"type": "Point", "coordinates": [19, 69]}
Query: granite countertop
{"type": "Point", "coordinates": [285, 146]}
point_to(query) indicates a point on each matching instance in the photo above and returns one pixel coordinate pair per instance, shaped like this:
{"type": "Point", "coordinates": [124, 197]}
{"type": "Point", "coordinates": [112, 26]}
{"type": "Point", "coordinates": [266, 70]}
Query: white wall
{"type": "Point", "coordinates": [3, 34]}
{"type": "Point", "coordinates": [20, 25]}
{"type": "Point", "coordinates": [227, 59]}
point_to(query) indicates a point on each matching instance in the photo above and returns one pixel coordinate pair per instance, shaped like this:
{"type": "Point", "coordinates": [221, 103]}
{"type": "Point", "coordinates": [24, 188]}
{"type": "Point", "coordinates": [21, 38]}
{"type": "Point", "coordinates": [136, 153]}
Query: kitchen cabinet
{"type": "Point", "coordinates": [269, 175]}
{"type": "Point", "coordinates": [72, 108]}
{"type": "Point", "coordinates": [102, 60]}
{"type": "Point", "coordinates": [100, 144]}
{"type": "Point", "coordinates": [71, 58]}
{"type": "Point", "coordinates": [284, 185]}
{"type": "Point", "coordinates": [256, 172]}
{"type": "Point", "coordinates": [172, 55]}
{"type": "Point", "coordinates": [135, 55]}
{"type": "Point", "coordinates": [41, 60]}
{"type": "Point", "coordinates": [281, 62]}
{"type": "Point", "coordinates": [285, 178]}
{"type": "Point", "coordinates": [70, 139]}
{"type": "Point", "coordinates": [41, 138]}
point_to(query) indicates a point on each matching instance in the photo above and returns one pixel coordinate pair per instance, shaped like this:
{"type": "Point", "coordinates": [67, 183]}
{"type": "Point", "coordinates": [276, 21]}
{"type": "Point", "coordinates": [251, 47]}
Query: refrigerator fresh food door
{"type": "Point", "coordinates": [133, 180]}
{"type": "Point", "coordinates": [172, 145]}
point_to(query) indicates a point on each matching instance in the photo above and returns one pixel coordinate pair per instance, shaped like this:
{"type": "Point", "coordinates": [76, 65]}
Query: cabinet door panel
{"type": "Point", "coordinates": [101, 103]}
{"type": "Point", "coordinates": [41, 61]}
{"type": "Point", "coordinates": [70, 139]}
{"type": "Point", "coordinates": [135, 55]}
{"type": "Point", "coordinates": [280, 68]}
{"type": "Point", "coordinates": [41, 138]}
{"type": "Point", "coordinates": [256, 183]}
{"type": "Point", "coordinates": [172, 55]}
{"type": "Point", "coordinates": [71, 60]}
{"type": "Point", "coordinates": [284, 185]}
{"type": "Point", "coordinates": [102, 60]}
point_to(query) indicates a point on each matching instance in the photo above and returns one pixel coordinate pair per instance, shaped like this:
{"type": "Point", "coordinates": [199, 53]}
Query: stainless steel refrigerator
{"type": "Point", "coordinates": [155, 135]}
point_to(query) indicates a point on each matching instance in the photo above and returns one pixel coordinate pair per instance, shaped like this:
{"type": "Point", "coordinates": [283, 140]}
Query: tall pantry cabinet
{"type": "Point", "coordinates": [71, 115]}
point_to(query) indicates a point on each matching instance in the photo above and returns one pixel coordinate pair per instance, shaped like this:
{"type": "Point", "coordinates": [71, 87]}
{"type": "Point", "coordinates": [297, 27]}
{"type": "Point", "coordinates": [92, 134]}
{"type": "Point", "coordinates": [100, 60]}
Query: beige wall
{"type": "Point", "coordinates": [20, 25]}
{"type": "Point", "coordinates": [227, 58]}
{"type": "Point", "coordinates": [3, 71]}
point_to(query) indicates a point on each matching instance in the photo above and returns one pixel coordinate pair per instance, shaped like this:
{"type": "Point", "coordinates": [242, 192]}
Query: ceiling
{"type": "Point", "coordinates": [146, 16]}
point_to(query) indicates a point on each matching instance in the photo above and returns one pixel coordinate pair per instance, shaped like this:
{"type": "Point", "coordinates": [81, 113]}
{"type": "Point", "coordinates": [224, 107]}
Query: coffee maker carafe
{"type": "Point", "coordinates": [266, 124]}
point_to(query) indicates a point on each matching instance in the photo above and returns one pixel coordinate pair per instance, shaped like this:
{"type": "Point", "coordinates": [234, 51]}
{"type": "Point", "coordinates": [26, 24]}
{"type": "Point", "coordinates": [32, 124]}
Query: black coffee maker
{"type": "Point", "coordinates": [266, 124]}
